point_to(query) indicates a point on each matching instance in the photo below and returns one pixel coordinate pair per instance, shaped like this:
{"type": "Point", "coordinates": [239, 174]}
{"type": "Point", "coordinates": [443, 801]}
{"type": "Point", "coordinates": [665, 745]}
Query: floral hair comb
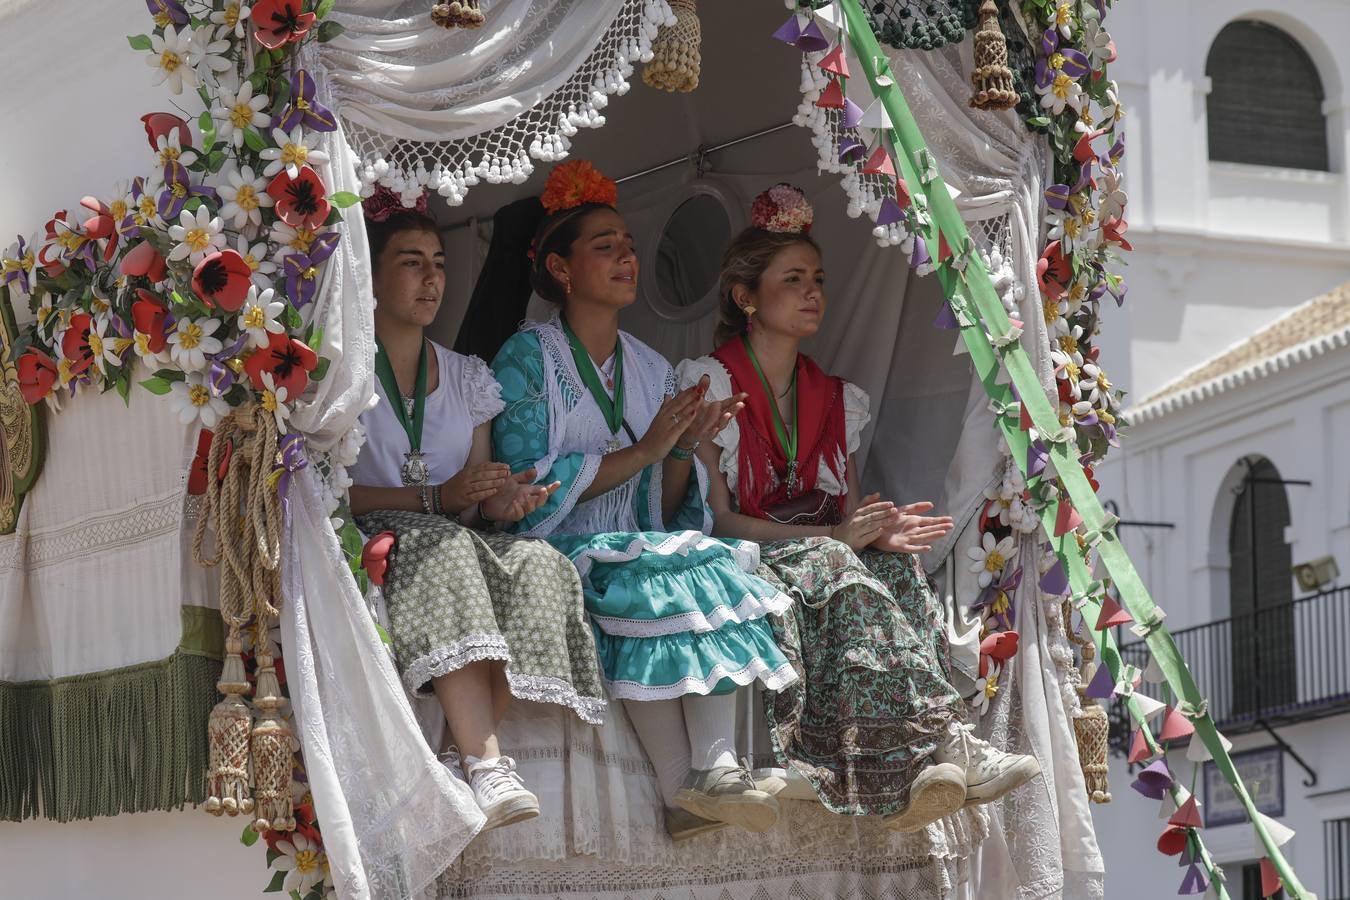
{"type": "Point", "coordinates": [384, 203]}
{"type": "Point", "coordinates": [782, 209]}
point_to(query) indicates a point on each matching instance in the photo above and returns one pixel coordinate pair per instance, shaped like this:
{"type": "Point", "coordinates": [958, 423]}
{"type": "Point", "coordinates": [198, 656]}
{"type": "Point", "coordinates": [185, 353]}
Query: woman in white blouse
{"type": "Point", "coordinates": [477, 615]}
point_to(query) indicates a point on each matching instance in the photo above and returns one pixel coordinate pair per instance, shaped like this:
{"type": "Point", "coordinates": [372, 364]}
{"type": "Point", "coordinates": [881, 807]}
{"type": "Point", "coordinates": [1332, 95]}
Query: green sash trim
{"type": "Point", "coordinates": [123, 740]}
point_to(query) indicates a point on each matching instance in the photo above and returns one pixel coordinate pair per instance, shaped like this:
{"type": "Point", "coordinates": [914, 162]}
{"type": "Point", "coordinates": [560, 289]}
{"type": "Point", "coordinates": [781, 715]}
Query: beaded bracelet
{"type": "Point", "coordinates": [424, 494]}
{"type": "Point", "coordinates": [436, 508]}
{"type": "Point", "coordinates": [683, 454]}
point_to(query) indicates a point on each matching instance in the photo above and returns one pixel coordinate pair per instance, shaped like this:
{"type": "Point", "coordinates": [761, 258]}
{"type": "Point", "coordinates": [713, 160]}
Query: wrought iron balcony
{"type": "Point", "coordinates": [1283, 664]}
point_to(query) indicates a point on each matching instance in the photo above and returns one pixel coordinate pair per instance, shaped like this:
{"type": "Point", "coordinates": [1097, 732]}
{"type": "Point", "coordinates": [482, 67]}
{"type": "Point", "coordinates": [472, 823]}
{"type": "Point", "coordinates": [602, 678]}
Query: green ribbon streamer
{"type": "Point", "coordinates": [786, 439]}
{"type": "Point", "coordinates": [984, 298]}
{"type": "Point", "coordinates": [612, 410]}
{"type": "Point", "coordinates": [385, 371]}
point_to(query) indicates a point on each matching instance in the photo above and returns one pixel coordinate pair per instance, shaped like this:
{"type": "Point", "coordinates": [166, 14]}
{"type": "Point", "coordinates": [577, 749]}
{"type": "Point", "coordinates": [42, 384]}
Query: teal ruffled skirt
{"type": "Point", "coordinates": [677, 614]}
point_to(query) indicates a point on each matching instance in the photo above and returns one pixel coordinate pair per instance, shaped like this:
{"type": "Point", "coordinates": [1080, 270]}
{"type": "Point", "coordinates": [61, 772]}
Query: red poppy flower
{"type": "Point", "coordinates": [101, 225]}
{"type": "Point", "coordinates": [37, 375]}
{"type": "Point", "coordinates": [279, 22]}
{"type": "Point", "coordinates": [197, 473]}
{"type": "Point", "coordinates": [144, 261]}
{"type": "Point", "coordinates": [1114, 230]}
{"type": "Point", "coordinates": [288, 360]}
{"type": "Point", "coordinates": [1053, 272]}
{"type": "Point", "coordinates": [159, 124]}
{"type": "Point", "coordinates": [301, 201]}
{"type": "Point", "coordinates": [1087, 473]}
{"type": "Point", "coordinates": [149, 317]}
{"type": "Point", "coordinates": [375, 556]}
{"type": "Point", "coordinates": [75, 343]}
{"type": "Point", "coordinates": [1082, 150]}
{"type": "Point", "coordinates": [222, 280]}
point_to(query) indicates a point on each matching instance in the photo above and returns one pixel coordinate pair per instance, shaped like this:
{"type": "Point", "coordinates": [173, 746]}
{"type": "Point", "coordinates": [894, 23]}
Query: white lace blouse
{"type": "Point", "coordinates": [856, 418]}
{"type": "Point", "coordinates": [465, 397]}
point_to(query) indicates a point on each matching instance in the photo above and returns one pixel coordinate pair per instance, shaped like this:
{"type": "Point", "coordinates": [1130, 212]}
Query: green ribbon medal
{"type": "Point", "coordinates": [410, 410]}
{"type": "Point", "coordinates": [786, 439]}
{"type": "Point", "coordinates": [611, 409]}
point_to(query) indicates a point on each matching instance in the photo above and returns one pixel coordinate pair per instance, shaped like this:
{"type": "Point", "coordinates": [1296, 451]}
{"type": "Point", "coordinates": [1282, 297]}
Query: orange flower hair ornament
{"type": "Point", "coordinates": [574, 183]}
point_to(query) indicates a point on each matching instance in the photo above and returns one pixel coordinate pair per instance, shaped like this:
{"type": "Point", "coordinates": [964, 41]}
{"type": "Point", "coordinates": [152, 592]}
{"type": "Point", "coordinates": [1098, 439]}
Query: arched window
{"type": "Point", "coordinates": [1261, 592]}
{"type": "Point", "coordinates": [1265, 99]}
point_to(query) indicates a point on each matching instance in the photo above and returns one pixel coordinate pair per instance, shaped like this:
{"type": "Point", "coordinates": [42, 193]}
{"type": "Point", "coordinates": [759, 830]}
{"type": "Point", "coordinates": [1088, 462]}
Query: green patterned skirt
{"type": "Point", "coordinates": [456, 596]}
{"type": "Point", "coordinates": [867, 637]}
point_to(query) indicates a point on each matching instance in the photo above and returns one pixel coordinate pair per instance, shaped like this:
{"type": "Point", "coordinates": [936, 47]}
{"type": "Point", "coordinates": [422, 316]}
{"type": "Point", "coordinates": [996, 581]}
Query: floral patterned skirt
{"type": "Point", "coordinates": [457, 596]}
{"type": "Point", "coordinates": [867, 637]}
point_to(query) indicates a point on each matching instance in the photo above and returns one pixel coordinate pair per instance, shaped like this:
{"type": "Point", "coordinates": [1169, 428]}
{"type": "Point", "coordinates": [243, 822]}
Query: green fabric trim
{"type": "Point", "coordinates": [123, 740]}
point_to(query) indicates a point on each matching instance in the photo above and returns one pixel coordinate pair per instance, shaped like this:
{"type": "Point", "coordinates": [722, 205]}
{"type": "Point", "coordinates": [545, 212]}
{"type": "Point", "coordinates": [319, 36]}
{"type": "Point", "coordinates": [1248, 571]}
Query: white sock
{"type": "Point", "coordinates": [660, 727]}
{"type": "Point", "coordinates": [711, 722]}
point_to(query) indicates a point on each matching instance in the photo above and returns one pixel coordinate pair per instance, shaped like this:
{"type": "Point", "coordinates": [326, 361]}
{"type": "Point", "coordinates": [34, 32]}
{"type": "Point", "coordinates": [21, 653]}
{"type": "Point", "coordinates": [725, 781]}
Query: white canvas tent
{"type": "Point", "coordinates": [931, 437]}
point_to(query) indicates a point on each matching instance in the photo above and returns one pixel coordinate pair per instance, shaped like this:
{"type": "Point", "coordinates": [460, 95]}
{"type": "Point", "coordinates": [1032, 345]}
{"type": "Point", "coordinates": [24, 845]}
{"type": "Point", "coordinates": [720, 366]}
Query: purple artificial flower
{"type": "Point", "coordinates": [303, 109]}
{"type": "Point", "coordinates": [168, 12]}
{"type": "Point", "coordinates": [219, 376]}
{"type": "Point", "coordinates": [1057, 196]}
{"type": "Point", "coordinates": [178, 189]}
{"type": "Point", "coordinates": [302, 269]}
{"type": "Point", "coordinates": [290, 459]}
{"type": "Point", "coordinates": [18, 273]}
{"type": "Point", "coordinates": [1075, 64]}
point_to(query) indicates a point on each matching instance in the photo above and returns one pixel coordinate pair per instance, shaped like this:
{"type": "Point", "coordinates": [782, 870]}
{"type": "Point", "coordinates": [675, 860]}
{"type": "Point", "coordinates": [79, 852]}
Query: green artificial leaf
{"type": "Point", "coordinates": [315, 338]}
{"type": "Point", "coordinates": [323, 8]}
{"type": "Point", "coordinates": [363, 585]}
{"type": "Point", "coordinates": [334, 217]}
{"type": "Point", "coordinates": [273, 856]}
{"type": "Point", "coordinates": [123, 384]}
{"type": "Point", "coordinates": [292, 320]}
{"type": "Point", "coordinates": [204, 95]}
{"type": "Point", "coordinates": [329, 30]}
{"type": "Point", "coordinates": [249, 837]}
{"type": "Point", "coordinates": [214, 160]}
{"type": "Point", "coordinates": [384, 635]}
{"type": "Point", "coordinates": [156, 385]}
{"type": "Point", "coordinates": [253, 140]}
{"type": "Point", "coordinates": [192, 205]}
{"type": "Point", "coordinates": [281, 96]}
{"type": "Point", "coordinates": [139, 41]}
{"type": "Point", "coordinates": [351, 539]}
{"type": "Point", "coordinates": [206, 125]}
{"type": "Point", "coordinates": [170, 375]}
{"type": "Point", "coordinates": [278, 880]}
{"type": "Point", "coordinates": [1038, 122]}
{"type": "Point", "coordinates": [295, 894]}
{"type": "Point", "coordinates": [344, 199]}
{"type": "Point", "coordinates": [321, 370]}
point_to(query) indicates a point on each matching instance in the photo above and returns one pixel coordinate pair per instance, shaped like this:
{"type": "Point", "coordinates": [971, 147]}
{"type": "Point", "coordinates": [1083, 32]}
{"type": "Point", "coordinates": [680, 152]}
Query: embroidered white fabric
{"type": "Point", "coordinates": [856, 417]}
{"type": "Point", "coordinates": [446, 109]}
{"type": "Point", "coordinates": [600, 832]}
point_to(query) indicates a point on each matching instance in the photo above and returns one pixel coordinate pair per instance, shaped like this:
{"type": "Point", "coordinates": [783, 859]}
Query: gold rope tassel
{"type": "Point", "coordinates": [1091, 730]}
{"type": "Point", "coordinates": [243, 509]}
{"type": "Point", "coordinates": [991, 77]}
{"type": "Point", "coordinates": [676, 59]}
{"type": "Point", "coordinates": [458, 14]}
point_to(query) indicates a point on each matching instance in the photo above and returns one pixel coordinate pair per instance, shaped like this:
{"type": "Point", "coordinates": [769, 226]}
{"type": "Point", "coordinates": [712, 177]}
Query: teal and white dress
{"type": "Point", "coordinates": [674, 611]}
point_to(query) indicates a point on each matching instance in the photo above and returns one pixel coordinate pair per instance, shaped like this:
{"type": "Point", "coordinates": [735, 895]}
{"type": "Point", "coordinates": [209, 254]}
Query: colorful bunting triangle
{"type": "Point", "coordinates": [1024, 421]}
{"type": "Point", "coordinates": [1102, 684]}
{"type": "Point", "coordinates": [851, 115]}
{"type": "Point", "coordinates": [1111, 614]}
{"type": "Point", "coordinates": [812, 39]}
{"type": "Point", "coordinates": [1196, 751]}
{"type": "Point", "coordinates": [1147, 705]}
{"type": "Point", "coordinates": [1172, 841]}
{"type": "Point", "coordinates": [1188, 816]}
{"type": "Point", "coordinates": [1270, 878]}
{"type": "Point", "coordinates": [1154, 781]}
{"type": "Point", "coordinates": [1194, 882]}
{"type": "Point", "coordinates": [946, 319]}
{"type": "Point", "coordinates": [851, 150]}
{"type": "Point", "coordinates": [875, 116]}
{"type": "Point", "coordinates": [832, 97]}
{"type": "Point", "coordinates": [1055, 581]}
{"type": "Point", "coordinates": [1138, 747]}
{"type": "Point", "coordinates": [790, 31]}
{"type": "Point", "coordinates": [879, 163]}
{"type": "Point", "coordinates": [1175, 726]}
{"type": "Point", "coordinates": [834, 62]}
{"type": "Point", "coordinates": [890, 212]}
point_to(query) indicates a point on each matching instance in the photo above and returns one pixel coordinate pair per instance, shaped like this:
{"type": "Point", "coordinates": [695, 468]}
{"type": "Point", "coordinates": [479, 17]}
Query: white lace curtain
{"type": "Point", "coordinates": [426, 106]}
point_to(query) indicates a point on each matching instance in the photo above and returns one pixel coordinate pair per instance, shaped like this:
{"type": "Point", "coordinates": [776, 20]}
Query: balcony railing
{"type": "Point", "coordinates": [1281, 664]}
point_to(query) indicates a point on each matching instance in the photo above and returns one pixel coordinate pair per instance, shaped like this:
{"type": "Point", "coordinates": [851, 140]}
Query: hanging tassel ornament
{"type": "Point", "coordinates": [676, 59]}
{"type": "Point", "coordinates": [1091, 729]}
{"type": "Point", "coordinates": [991, 77]}
{"type": "Point", "coordinates": [227, 734]}
{"type": "Point", "coordinates": [457, 14]}
{"type": "Point", "coordinates": [271, 746]}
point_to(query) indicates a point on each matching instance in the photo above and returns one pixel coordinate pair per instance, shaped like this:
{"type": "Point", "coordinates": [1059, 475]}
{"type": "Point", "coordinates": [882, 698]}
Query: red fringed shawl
{"type": "Point", "coordinates": [762, 460]}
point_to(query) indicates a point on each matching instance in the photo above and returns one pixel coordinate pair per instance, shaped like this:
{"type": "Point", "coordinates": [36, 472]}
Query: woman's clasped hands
{"type": "Point", "coordinates": [685, 420]}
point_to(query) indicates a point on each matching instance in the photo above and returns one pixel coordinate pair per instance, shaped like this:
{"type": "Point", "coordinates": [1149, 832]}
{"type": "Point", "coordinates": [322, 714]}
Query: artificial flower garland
{"type": "Point", "coordinates": [202, 275]}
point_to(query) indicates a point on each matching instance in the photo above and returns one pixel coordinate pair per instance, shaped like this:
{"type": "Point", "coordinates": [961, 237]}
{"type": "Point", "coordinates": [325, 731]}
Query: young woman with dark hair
{"type": "Point", "coordinates": [480, 616]}
{"type": "Point", "coordinates": [680, 619]}
{"type": "Point", "coordinates": [872, 723]}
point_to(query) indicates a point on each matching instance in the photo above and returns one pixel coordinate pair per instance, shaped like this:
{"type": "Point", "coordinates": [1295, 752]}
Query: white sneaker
{"type": "Point", "coordinates": [990, 773]}
{"type": "Point", "coordinates": [937, 791]}
{"type": "Point", "coordinates": [727, 794]}
{"type": "Point", "coordinates": [450, 758]}
{"type": "Point", "coordinates": [499, 792]}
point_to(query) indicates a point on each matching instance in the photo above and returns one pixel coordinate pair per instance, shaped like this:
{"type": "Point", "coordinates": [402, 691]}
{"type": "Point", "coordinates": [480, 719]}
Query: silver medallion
{"type": "Point", "coordinates": [611, 445]}
{"type": "Point", "coordinates": [415, 470]}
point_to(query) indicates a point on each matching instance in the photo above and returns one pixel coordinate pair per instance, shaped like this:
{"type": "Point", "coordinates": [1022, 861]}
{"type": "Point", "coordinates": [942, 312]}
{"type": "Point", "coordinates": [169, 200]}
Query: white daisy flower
{"type": "Point", "coordinates": [234, 17]}
{"type": "Point", "coordinates": [290, 153]}
{"type": "Point", "coordinates": [1062, 91]}
{"type": "Point", "coordinates": [190, 342]}
{"type": "Point", "coordinates": [106, 349]}
{"type": "Point", "coordinates": [290, 240]}
{"type": "Point", "coordinates": [198, 235]}
{"type": "Point", "coordinates": [986, 689]}
{"type": "Point", "coordinates": [236, 110]}
{"type": "Point", "coordinates": [258, 316]}
{"type": "Point", "coordinates": [303, 862]}
{"type": "Point", "coordinates": [244, 195]}
{"type": "Point", "coordinates": [207, 54]}
{"type": "Point", "coordinates": [989, 559]}
{"type": "Point", "coordinates": [255, 256]}
{"type": "Point", "coordinates": [141, 344]}
{"type": "Point", "coordinates": [193, 401]}
{"type": "Point", "coordinates": [169, 148]}
{"type": "Point", "coordinates": [171, 58]}
{"type": "Point", "coordinates": [1096, 42]}
{"type": "Point", "coordinates": [273, 400]}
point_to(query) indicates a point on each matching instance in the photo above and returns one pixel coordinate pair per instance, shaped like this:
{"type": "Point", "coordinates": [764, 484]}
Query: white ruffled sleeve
{"type": "Point", "coordinates": [856, 415]}
{"type": "Point", "coordinates": [719, 388]}
{"type": "Point", "coordinates": [482, 393]}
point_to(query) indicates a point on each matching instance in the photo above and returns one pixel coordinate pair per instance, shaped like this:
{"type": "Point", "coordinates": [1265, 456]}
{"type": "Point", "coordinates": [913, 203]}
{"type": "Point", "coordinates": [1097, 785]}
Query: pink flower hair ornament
{"type": "Point", "coordinates": [782, 209]}
{"type": "Point", "coordinates": [382, 204]}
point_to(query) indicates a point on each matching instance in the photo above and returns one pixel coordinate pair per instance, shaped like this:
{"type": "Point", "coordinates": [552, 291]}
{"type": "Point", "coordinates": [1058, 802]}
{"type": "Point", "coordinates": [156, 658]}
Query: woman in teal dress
{"type": "Point", "coordinates": [873, 723]}
{"type": "Point", "coordinates": [680, 619]}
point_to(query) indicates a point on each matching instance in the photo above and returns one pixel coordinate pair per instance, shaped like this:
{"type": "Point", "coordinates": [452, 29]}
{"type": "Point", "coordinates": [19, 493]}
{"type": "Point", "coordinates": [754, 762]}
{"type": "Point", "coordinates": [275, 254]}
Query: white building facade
{"type": "Point", "coordinates": [1234, 345]}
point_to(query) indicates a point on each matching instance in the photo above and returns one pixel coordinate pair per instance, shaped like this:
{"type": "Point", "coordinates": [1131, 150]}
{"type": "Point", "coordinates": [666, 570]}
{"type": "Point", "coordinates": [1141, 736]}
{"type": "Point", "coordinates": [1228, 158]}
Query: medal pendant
{"type": "Point", "coordinates": [792, 477]}
{"type": "Point", "coordinates": [611, 445]}
{"type": "Point", "coordinates": [415, 470]}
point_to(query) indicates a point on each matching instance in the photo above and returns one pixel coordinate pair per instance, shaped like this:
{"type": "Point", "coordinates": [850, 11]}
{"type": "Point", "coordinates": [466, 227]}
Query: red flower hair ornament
{"type": "Point", "coordinates": [382, 204]}
{"type": "Point", "coordinates": [574, 183]}
{"type": "Point", "coordinates": [782, 209]}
